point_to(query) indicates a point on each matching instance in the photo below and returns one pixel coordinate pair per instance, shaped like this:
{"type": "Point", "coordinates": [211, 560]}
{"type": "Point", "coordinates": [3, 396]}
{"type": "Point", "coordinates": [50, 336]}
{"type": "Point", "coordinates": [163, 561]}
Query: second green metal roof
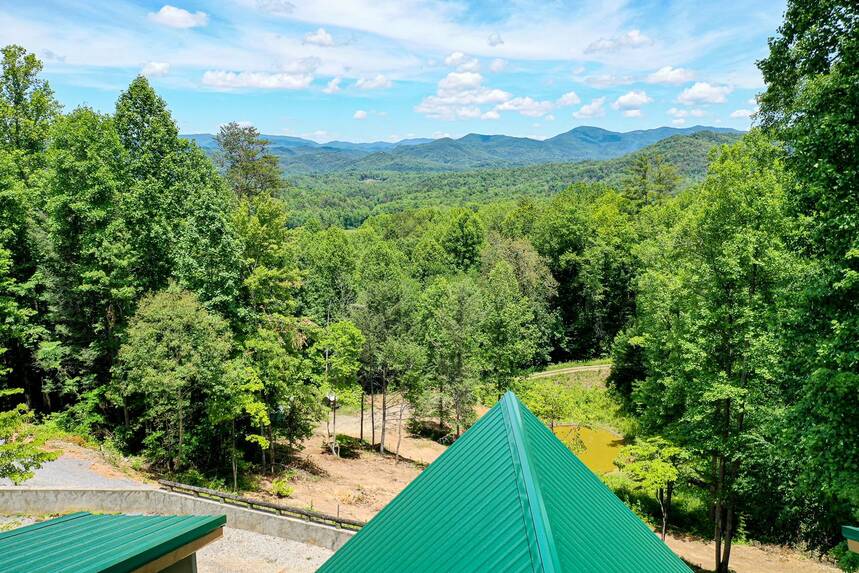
{"type": "Point", "coordinates": [87, 543]}
{"type": "Point", "coordinates": [506, 496]}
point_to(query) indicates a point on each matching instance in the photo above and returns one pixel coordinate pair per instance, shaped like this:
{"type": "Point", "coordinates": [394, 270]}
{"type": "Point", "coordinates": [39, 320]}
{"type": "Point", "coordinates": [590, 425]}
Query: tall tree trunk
{"type": "Point", "coordinates": [233, 455]}
{"type": "Point", "coordinates": [372, 413]}
{"type": "Point", "coordinates": [361, 431]}
{"type": "Point", "coordinates": [666, 513]}
{"type": "Point", "coordinates": [336, 444]}
{"type": "Point", "coordinates": [400, 429]}
{"type": "Point", "coordinates": [384, 412]}
{"type": "Point", "coordinates": [660, 495]}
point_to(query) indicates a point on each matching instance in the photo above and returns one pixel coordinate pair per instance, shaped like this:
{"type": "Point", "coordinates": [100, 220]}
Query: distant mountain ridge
{"type": "Point", "coordinates": [472, 151]}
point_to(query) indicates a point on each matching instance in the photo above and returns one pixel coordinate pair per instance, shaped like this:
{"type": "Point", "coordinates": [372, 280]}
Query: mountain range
{"type": "Point", "coordinates": [300, 156]}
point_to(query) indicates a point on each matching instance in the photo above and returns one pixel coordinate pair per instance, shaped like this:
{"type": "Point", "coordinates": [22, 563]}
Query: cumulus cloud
{"type": "Point", "coordinates": [491, 114]}
{"type": "Point", "coordinates": [632, 100]}
{"type": "Point", "coordinates": [593, 109]}
{"type": "Point", "coordinates": [374, 83]}
{"type": "Point", "coordinates": [527, 106]}
{"type": "Point", "coordinates": [462, 62]}
{"type": "Point", "coordinates": [236, 80]}
{"type": "Point", "coordinates": [670, 75]}
{"type": "Point", "coordinates": [333, 86]}
{"type": "Point", "coordinates": [607, 80]}
{"type": "Point", "coordinates": [454, 59]}
{"type": "Point", "coordinates": [497, 65]}
{"type": "Point", "coordinates": [178, 18]}
{"type": "Point", "coordinates": [742, 113]}
{"type": "Point", "coordinates": [632, 39]}
{"type": "Point", "coordinates": [678, 121]}
{"type": "Point", "coordinates": [674, 112]}
{"type": "Point", "coordinates": [703, 92]}
{"type": "Point", "coordinates": [632, 113]}
{"type": "Point", "coordinates": [458, 95]}
{"type": "Point", "coordinates": [495, 39]}
{"type": "Point", "coordinates": [155, 69]}
{"type": "Point", "coordinates": [360, 114]}
{"type": "Point", "coordinates": [319, 38]}
{"type": "Point", "coordinates": [569, 98]}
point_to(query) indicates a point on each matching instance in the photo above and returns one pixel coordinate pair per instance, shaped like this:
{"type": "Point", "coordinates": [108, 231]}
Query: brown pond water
{"type": "Point", "coordinates": [601, 447]}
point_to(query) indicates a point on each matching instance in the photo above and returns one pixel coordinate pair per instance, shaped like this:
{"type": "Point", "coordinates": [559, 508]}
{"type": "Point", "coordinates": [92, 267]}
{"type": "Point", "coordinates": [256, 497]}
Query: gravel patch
{"type": "Point", "coordinates": [67, 471]}
{"type": "Point", "coordinates": [240, 551]}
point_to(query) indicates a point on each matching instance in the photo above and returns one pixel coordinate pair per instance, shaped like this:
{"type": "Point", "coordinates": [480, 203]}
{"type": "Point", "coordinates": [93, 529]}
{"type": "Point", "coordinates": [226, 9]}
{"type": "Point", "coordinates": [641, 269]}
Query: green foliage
{"type": "Point", "coordinates": [248, 168]}
{"type": "Point", "coordinates": [810, 103]}
{"type": "Point", "coordinates": [20, 445]}
{"type": "Point", "coordinates": [281, 488]}
{"type": "Point", "coordinates": [174, 358]}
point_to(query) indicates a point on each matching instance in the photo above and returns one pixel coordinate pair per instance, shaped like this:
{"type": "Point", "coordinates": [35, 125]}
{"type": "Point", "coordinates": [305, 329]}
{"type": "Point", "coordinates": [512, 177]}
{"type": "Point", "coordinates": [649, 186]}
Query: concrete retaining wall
{"type": "Point", "coordinates": [14, 500]}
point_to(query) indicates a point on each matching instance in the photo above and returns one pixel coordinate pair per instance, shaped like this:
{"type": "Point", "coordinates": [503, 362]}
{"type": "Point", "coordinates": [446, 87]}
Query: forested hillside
{"type": "Point", "coordinates": [474, 151]}
{"type": "Point", "coordinates": [199, 312]}
{"type": "Point", "coordinates": [349, 198]}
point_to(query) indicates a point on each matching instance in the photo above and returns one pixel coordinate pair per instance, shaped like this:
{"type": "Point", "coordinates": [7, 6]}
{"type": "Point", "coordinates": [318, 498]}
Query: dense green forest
{"type": "Point", "coordinates": [348, 198]}
{"type": "Point", "coordinates": [176, 308]}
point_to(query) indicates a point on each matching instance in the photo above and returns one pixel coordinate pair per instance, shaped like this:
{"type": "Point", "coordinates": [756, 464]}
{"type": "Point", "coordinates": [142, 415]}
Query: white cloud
{"type": "Point", "coordinates": [670, 75]}
{"type": "Point", "coordinates": [319, 38]}
{"type": "Point", "coordinates": [703, 92]}
{"type": "Point", "coordinates": [742, 113]}
{"type": "Point", "coordinates": [491, 114]}
{"type": "Point", "coordinates": [454, 59]}
{"type": "Point", "coordinates": [593, 109]}
{"type": "Point", "coordinates": [527, 106]}
{"type": "Point", "coordinates": [376, 82]}
{"type": "Point", "coordinates": [674, 112]}
{"type": "Point", "coordinates": [360, 114]}
{"type": "Point", "coordinates": [632, 39]}
{"type": "Point", "coordinates": [632, 113]}
{"type": "Point", "coordinates": [333, 86]}
{"type": "Point", "coordinates": [678, 121]}
{"type": "Point", "coordinates": [606, 80]}
{"type": "Point", "coordinates": [549, 117]}
{"type": "Point", "coordinates": [753, 101]}
{"type": "Point", "coordinates": [495, 39]}
{"type": "Point", "coordinates": [569, 98]}
{"type": "Point", "coordinates": [236, 80]}
{"type": "Point", "coordinates": [497, 65]}
{"type": "Point", "coordinates": [458, 95]}
{"type": "Point", "coordinates": [155, 69]}
{"type": "Point", "coordinates": [178, 18]}
{"type": "Point", "coordinates": [632, 100]}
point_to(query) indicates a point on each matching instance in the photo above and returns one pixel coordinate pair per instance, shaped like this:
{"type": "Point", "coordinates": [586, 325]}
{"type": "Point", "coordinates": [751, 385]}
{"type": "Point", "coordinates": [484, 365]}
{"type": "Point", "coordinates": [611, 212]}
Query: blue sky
{"type": "Point", "coordinates": [365, 70]}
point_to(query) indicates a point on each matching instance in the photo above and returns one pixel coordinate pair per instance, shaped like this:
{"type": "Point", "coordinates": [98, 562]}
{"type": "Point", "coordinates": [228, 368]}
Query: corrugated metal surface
{"type": "Point", "coordinates": [506, 496]}
{"type": "Point", "coordinates": [84, 543]}
{"type": "Point", "coordinates": [849, 532]}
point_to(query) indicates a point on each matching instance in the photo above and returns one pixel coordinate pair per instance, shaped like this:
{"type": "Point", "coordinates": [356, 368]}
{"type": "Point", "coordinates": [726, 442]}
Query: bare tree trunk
{"type": "Point", "coordinates": [400, 429]}
{"type": "Point", "coordinates": [271, 446]}
{"type": "Point", "coordinates": [372, 413]}
{"type": "Point", "coordinates": [660, 495]}
{"type": "Point", "coordinates": [233, 455]}
{"type": "Point", "coordinates": [361, 431]}
{"type": "Point", "coordinates": [728, 537]}
{"type": "Point", "coordinates": [384, 413]}
{"type": "Point", "coordinates": [336, 444]}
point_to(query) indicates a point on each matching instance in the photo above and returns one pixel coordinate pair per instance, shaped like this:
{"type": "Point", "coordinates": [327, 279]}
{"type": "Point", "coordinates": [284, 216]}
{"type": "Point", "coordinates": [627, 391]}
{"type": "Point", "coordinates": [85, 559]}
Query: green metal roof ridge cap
{"type": "Point", "coordinates": [850, 532]}
{"type": "Point", "coordinates": [41, 525]}
{"type": "Point", "coordinates": [545, 542]}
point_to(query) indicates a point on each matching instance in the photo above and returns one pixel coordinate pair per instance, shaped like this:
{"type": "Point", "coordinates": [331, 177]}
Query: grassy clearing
{"type": "Point", "coordinates": [574, 363]}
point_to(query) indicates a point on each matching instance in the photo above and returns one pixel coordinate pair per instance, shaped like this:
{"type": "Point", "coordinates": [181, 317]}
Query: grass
{"type": "Point", "coordinates": [575, 363]}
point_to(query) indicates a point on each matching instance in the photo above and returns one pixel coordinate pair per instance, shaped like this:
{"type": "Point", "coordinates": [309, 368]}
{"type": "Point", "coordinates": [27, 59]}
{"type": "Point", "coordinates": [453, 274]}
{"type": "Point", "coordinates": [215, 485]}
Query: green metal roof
{"type": "Point", "coordinates": [506, 496]}
{"type": "Point", "coordinates": [87, 543]}
{"type": "Point", "coordinates": [851, 533]}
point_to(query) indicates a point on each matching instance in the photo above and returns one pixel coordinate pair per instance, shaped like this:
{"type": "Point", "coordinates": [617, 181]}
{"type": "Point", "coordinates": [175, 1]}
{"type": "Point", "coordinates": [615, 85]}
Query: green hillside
{"type": "Point", "coordinates": [349, 198]}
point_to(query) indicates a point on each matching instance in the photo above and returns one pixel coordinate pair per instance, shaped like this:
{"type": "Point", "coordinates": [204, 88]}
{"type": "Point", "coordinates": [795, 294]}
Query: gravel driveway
{"type": "Point", "coordinates": [74, 471]}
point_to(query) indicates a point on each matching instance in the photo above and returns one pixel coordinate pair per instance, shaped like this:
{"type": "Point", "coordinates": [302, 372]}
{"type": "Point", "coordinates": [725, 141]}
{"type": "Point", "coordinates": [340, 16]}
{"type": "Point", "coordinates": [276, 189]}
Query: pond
{"type": "Point", "coordinates": [601, 446]}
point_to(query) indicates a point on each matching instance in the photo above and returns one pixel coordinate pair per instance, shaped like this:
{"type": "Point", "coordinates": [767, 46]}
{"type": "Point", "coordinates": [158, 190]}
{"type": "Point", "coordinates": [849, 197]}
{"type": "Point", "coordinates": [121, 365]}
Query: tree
{"type": "Point", "coordinates": [549, 400]}
{"type": "Point", "coordinates": [336, 351]}
{"type": "Point", "coordinates": [247, 166]}
{"type": "Point", "coordinates": [174, 357]}
{"type": "Point", "coordinates": [810, 103]}
{"type": "Point", "coordinates": [27, 108]}
{"type": "Point", "coordinates": [509, 339]}
{"type": "Point", "coordinates": [463, 239]}
{"type": "Point", "coordinates": [711, 305]}
{"type": "Point", "coordinates": [88, 260]}
{"type": "Point", "coordinates": [20, 445]}
{"type": "Point", "coordinates": [655, 465]}
{"type": "Point", "coordinates": [650, 178]}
